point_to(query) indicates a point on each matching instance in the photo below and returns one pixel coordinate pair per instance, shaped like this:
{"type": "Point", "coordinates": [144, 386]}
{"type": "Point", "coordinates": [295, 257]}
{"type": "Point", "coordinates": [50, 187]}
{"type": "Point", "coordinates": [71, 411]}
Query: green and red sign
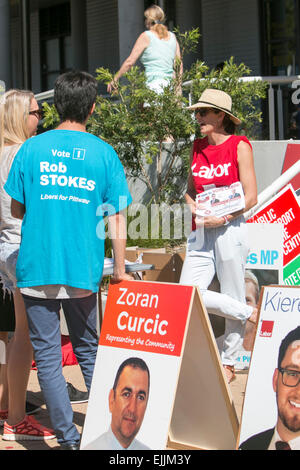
{"type": "Point", "coordinates": [284, 208]}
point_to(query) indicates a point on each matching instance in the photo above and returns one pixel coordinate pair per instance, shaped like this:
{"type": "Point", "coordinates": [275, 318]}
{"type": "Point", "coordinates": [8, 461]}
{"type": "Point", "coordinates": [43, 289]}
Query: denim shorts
{"type": "Point", "coordinates": [8, 260]}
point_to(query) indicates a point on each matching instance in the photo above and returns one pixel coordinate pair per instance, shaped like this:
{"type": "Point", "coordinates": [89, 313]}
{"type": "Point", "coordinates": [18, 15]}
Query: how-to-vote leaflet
{"type": "Point", "coordinates": [279, 315]}
{"type": "Point", "coordinates": [187, 405]}
{"type": "Point", "coordinates": [220, 201]}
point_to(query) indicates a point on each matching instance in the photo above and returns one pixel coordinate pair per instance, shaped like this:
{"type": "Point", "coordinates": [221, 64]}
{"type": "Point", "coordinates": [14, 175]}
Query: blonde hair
{"type": "Point", "coordinates": [250, 277]}
{"type": "Point", "coordinates": [155, 18]}
{"type": "Point", "coordinates": [14, 110]}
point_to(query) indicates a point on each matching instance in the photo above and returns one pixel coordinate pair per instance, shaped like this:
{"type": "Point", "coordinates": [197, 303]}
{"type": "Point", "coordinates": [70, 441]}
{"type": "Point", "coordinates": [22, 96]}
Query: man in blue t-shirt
{"type": "Point", "coordinates": [62, 183]}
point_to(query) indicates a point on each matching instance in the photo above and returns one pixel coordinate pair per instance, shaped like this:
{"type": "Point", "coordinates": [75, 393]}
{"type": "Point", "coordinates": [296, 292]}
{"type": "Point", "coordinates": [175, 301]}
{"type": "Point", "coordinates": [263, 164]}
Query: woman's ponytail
{"type": "Point", "coordinates": [154, 19]}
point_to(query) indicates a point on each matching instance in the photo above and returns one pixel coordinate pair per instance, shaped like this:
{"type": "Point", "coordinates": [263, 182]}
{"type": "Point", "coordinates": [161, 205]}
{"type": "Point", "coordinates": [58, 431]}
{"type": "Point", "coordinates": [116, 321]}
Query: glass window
{"type": "Point", "coordinates": [280, 41]}
{"type": "Point", "coordinates": [52, 52]}
{"type": "Point", "coordinates": [281, 21]}
{"type": "Point", "coordinates": [55, 35]}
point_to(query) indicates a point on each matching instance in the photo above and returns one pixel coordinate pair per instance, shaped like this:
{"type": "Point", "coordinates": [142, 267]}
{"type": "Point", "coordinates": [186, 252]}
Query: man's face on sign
{"type": "Point", "coordinates": [128, 403]}
{"type": "Point", "coordinates": [288, 397]}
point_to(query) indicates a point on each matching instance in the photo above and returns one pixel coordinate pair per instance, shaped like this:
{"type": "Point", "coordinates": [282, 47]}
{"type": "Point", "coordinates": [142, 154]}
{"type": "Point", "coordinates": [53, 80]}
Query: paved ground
{"type": "Point", "coordinates": [73, 375]}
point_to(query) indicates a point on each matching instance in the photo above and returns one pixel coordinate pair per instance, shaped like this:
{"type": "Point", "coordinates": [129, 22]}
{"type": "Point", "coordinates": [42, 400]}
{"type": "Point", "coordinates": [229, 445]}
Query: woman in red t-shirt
{"type": "Point", "coordinates": [219, 245]}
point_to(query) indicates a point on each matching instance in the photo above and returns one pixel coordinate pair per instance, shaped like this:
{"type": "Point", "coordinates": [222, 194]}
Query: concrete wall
{"type": "Point", "coordinates": [268, 160]}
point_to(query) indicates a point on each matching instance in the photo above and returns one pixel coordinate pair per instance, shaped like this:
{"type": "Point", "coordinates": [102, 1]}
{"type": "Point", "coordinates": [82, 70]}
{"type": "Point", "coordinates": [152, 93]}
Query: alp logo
{"type": "Point", "coordinates": [209, 172]}
{"type": "Point", "coordinates": [266, 329]}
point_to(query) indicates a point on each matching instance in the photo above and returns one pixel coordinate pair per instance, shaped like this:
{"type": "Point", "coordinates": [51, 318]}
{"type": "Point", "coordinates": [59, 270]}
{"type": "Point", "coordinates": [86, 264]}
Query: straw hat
{"type": "Point", "coordinates": [217, 99]}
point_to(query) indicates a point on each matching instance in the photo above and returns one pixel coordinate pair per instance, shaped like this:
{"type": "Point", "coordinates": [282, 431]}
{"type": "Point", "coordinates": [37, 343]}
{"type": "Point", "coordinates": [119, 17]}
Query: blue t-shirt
{"type": "Point", "coordinates": [67, 180]}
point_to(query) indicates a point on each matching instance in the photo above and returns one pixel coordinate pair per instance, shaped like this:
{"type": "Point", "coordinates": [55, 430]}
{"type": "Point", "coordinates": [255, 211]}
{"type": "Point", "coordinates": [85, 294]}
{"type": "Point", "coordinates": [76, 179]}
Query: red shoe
{"type": "Point", "coordinates": [230, 373]}
{"type": "Point", "coordinates": [3, 417]}
{"type": "Point", "coordinates": [27, 429]}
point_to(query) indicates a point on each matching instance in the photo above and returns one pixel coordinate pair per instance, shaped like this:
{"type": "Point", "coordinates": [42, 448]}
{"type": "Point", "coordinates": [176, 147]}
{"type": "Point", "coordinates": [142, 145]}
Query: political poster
{"type": "Point", "coordinates": [146, 321]}
{"type": "Point", "coordinates": [156, 351]}
{"type": "Point", "coordinates": [266, 249]}
{"type": "Point", "coordinates": [271, 410]}
{"type": "Point", "coordinates": [292, 157]}
{"type": "Point", "coordinates": [264, 267]}
{"type": "Point", "coordinates": [284, 209]}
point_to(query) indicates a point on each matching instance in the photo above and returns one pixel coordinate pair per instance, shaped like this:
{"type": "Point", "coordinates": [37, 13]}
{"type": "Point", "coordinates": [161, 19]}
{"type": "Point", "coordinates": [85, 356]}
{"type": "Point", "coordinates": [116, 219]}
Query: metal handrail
{"type": "Point", "coordinates": [45, 95]}
{"type": "Point", "coordinates": [272, 79]}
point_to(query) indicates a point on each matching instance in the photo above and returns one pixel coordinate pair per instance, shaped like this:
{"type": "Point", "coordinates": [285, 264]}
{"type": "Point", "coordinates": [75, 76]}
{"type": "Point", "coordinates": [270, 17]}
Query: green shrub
{"type": "Point", "coordinates": [149, 129]}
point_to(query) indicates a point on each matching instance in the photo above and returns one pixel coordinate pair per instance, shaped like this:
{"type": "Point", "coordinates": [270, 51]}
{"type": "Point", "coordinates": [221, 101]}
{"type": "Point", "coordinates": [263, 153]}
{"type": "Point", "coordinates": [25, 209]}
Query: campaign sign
{"type": "Point", "coordinates": [156, 354]}
{"type": "Point", "coordinates": [278, 331]}
{"type": "Point", "coordinates": [266, 242]}
{"type": "Point", "coordinates": [152, 319]}
{"type": "Point", "coordinates": [147, 321]}
{"type": "Point", "coordinates": [284, 209]}
{"type": "Point", "coordinates": [265, 261]}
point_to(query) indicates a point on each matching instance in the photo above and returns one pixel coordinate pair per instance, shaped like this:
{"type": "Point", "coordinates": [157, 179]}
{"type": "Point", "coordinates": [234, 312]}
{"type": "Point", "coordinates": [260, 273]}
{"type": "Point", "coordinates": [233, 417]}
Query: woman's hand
{"type": "Point", "coordinates": [140, 45]}
{"type": "Point", "coordinates": [112, 86]}
{"type": "Point", "coordinates": [120, 276]}
{"type": "Point", "coordinates": [212, 221]}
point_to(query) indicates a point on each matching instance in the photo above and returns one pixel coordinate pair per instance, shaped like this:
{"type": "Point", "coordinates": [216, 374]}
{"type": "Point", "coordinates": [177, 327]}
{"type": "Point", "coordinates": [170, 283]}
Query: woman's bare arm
{"type": "Point", "coordinates": [140, 45]}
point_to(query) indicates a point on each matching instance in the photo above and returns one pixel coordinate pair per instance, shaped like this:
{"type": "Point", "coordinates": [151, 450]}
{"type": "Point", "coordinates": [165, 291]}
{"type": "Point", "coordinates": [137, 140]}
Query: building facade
{"type": "Point", "coordinates": [39, 39]}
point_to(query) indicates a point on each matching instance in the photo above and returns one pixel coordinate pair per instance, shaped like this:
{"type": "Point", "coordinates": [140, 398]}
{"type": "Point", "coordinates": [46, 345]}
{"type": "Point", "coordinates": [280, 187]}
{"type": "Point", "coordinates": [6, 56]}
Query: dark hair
{"type": "Point", "coordinates": [134, 362]}
{"type": "Point", "coordinates": [227, 123]}
{"type": "Point", "coordinates": [74, 95]}
{"type": "Point", "coordinates": [292, 336]}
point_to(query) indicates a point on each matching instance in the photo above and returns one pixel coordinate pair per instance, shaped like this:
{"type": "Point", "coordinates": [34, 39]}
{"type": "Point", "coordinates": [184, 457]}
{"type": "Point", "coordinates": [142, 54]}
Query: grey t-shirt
{"type": "Point", "coordinates": [10, 228]}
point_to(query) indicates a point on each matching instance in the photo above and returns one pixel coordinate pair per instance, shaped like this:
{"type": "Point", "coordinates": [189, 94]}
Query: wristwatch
{"type": "Point", "coordinates": [226, 220]}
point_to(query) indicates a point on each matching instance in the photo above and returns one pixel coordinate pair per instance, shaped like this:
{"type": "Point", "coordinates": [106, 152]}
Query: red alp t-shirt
{"type": "Point", "coordinates": [215, 165]}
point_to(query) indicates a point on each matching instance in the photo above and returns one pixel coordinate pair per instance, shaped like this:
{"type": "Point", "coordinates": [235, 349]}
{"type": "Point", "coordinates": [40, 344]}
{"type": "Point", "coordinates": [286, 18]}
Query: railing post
{"type": "Point", "coordinates": [271, 113]}
{"type": "Point", "coordinates": [280, 114]}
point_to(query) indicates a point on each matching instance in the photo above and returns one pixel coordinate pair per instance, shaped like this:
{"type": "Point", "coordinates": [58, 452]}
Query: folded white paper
{"type": "Point", "coordinates": [220, 201]}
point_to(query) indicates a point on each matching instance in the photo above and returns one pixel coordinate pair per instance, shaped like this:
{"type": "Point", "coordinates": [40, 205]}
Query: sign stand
{"type": "Point", "coordinates": [203, 416]}
{"type": "Point", "coordinates": [189, 404]}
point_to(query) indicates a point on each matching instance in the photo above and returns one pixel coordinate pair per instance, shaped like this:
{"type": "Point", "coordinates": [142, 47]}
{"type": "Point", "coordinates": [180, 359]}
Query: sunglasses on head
{"type": "Point", "coordinates": [38, 113]}
{"type": "Point", "coordinates": [204, 111]}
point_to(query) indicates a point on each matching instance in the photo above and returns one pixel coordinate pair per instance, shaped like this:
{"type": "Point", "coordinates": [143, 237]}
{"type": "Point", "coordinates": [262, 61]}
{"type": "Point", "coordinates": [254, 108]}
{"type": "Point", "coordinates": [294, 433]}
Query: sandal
{"type": "Point", "coordinates": [232, 370]}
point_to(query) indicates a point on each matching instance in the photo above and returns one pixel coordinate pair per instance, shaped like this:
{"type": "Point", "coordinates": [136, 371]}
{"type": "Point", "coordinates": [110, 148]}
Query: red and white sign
{"type": "Point", "coordinates": [151, 319]}
{"type": "Point", "coordinates": [148, 321]}
{"type": "Point", "coordinates": [283, 208]}
{"type": "Point", "coordinates": [263, 407]}
{"type": "Point", "coordinates": [162, 329]}
{"type": "Point", "coordinates": [291, 157]}
{"type": "Point", "coordinates": [266, 329]}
